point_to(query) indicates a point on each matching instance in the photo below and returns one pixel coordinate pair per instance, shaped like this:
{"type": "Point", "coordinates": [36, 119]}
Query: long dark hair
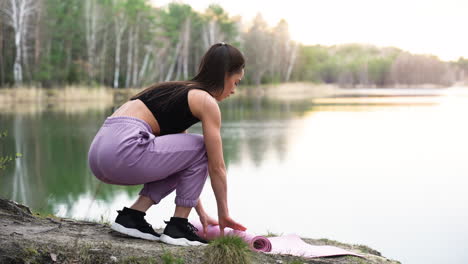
{"type": "Point", "coordinates": [219, 60]}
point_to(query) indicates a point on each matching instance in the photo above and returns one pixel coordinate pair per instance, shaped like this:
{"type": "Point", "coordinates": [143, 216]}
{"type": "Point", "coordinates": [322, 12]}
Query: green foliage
{"type": "Point", "coordinates": [29, 254]}
{"type": "Point", "coordinates": [173, 18]}
{"type": "Point", "coordinates": [5, 159]}
{"type": "Point", "coordinates": [227, 250]}
{"type": "Point", "coordinates": [61, 51]}
{"type": "Point", "coordinates": [350, 64]}
{"type": "Point", "coordinates": [215, 12]}
{"type": "Point", "coordinates": [378, 69]}
{"type": "Point", "coordinates": [271, 234]}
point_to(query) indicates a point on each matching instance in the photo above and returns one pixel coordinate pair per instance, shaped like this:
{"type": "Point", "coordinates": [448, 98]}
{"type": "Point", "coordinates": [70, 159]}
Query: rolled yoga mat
{"type": "Point", "coordinates": [256, 243]}
{"type": "Point", "coordinates": [287, 245]}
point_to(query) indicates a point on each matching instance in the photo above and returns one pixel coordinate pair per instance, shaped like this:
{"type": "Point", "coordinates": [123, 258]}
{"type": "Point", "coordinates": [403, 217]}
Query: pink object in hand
{"type": "Point", "coordinates": [289, 244]}
{"type": "Point", "coordinates": [257, 243]}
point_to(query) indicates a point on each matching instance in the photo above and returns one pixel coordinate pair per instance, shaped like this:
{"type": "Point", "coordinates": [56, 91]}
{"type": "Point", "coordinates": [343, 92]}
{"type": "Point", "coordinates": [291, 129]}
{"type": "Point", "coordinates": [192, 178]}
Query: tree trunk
{"type": "Point", "coordinates": [37, 39]}
{"type": "Point", "coordinates": [17, 13]}
{"type": "Point", "coordinates": [136, 55]}
{"type": "Point", "coordinates": [186, 48]}
{"type": "Point", "coordinates": [291, 62]}
{"type": "Point", "coordinates": [68, 58]}
{"type": "Point", "coordinates": [174, 61]}
{"type": "Point", "coordinates": [143, 67]}
{"type": "Point", "coordinates": [18, 18]}
{"type": "Point", "coordinates": [103, 57]}
{"type": "Point", "coordinates": [2, 69]}
{"type": "Point", "coordinates": [24, 49]}
{"type": "Point", "coordinates": [128, 76]}
{"type": "Point", "coordinates": [91, 16]}
{"type": "Point", "coordinates": [120, 26]}
{"type": "Point", "coordinates": [117, 62]}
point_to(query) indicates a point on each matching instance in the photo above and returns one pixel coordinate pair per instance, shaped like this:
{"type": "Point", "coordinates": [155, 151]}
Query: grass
{"type": "Point", "coordinates": [30, 254]}
{"type": "Point", "coordinates": [104, 221]}
{"type": "Point", "coordinates": [71, 99]}
{"type": "Point", "coordinates": [88, 254]}
{"type": "Point", "coordinates": [168, 258]}
{"type": "Point", "coordinates": [271, 234]}
{"type": "Point", "coordinates": [92, 254]}
{"type": "Point", "coordinates": [355, 260]}
{"type": "Point", "coordinates": [138, 260]}
{"type": "Point", "coordinates": [228, 250]}
{"type": "Point", "coordinates": [66, 93]}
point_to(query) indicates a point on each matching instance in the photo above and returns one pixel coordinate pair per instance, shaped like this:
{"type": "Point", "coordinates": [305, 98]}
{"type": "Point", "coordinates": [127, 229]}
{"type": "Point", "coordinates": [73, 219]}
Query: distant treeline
{"type": "Point", "coordinates": [354, 65]}
{"type": "Point", "coordinates": [129, 43]}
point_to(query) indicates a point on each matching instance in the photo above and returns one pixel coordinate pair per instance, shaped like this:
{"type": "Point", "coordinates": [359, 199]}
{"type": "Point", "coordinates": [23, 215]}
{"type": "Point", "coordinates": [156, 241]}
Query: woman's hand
{"type": "Point", "coordinates": [205, 221]}
{"type": "Point", "coordinates": [226, 221]}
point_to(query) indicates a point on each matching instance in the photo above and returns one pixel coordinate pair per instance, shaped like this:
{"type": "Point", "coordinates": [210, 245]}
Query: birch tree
{"type": "Point", "coordinates": [291, 62]}
{"type": "Point", "coordinates": [184, 55]}
{"type": "Point", "coordinates": [136, 57]}
{"type": "Point", "coordinates": [218, 26]}
{"type": "Point", "coordinates": [130, 49]}
{"type": "Point", "coordinates": [120, 25]}
{"type": "Point", "coordinates": [177, 23]}
{"type": "Point", "coordinates": [17, 14]}
{"type": "Point", "coordinates": [92, 28]}
{"type": "Point", "coordinates": [2, 66]}
{"type": "Point", "coordinates": [284, 52]}
{"type": "Point", "coordinates": [257, 42]}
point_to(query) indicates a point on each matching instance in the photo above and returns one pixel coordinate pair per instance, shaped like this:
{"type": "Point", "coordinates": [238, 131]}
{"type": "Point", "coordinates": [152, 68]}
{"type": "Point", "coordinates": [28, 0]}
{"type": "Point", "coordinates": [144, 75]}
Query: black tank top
{"type": "Point", "coordinates": [172, 118]}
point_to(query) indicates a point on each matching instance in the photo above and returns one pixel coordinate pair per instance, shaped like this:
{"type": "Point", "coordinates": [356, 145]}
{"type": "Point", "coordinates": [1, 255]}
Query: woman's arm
{"type": "Point", "coordinates": [207, 110]}
{"type": "Point", "coordinates": [199, 208]}
{"type": "Point", "coordinates": [211, 124]}
{"type": "Point", "coordinates": [205, 219]}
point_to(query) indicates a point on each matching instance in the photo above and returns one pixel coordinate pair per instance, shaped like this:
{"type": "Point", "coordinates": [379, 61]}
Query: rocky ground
{"type": "Point", "coordinates": [29, 238]}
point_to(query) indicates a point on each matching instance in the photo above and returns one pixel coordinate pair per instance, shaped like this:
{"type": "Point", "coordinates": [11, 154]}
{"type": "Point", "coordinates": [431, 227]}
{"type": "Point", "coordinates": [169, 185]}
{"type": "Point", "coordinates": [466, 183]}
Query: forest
{"type": "Point", "coordinates": [130, 43]}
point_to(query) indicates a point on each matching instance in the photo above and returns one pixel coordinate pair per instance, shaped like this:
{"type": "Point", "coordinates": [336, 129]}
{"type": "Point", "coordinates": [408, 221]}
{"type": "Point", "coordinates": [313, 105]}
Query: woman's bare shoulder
{"type": "Point", "coordinates": [200, 102]}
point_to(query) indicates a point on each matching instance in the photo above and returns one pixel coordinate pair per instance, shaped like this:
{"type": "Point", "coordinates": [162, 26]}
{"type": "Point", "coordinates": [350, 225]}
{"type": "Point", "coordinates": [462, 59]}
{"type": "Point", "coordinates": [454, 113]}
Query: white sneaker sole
{"type": "Point", "coordinates": [179, 241]}
{"type": "Point", "coordinates": [132, 232]}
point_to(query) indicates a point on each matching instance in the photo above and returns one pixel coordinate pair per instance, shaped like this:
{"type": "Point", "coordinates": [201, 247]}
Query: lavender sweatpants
{"type": "Point", "coordinates": [126, 152]}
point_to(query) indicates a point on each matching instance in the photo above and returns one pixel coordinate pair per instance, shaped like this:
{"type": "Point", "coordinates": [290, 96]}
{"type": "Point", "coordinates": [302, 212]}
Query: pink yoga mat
{"type": "Point", "coordinates": [289, 244]}
{"type": "Point", "coordinates": [257, 243]}
{"type": "Point", "coordinates": [294, 245]}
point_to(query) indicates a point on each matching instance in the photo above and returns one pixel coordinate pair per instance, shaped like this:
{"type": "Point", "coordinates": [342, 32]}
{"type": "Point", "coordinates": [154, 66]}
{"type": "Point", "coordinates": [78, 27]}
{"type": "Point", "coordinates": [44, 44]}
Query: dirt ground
{"type": "Point", "coordinates": [29, 238]}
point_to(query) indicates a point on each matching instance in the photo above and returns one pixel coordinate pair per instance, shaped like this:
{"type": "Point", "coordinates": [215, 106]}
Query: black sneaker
{"type": "Point", "coordinates": [180, 232]}
{"type": "Point", "coordinates": [132, 223]}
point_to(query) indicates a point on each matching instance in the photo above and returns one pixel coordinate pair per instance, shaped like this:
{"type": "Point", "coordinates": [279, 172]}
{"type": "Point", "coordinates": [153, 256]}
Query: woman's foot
{"type": "Point", "coordinates": [180, 232]}
{"type": "Point", "coordinates": [132, 223]}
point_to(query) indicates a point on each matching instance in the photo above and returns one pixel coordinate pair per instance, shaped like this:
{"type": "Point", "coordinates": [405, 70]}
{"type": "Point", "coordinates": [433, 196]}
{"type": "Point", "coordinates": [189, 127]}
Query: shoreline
{"type": "Point", "coordinates": [75, 99]}
{"type": "Point", "coordinates": [85, 93]}
{"type": "Point", "coordinates": [30, 238]}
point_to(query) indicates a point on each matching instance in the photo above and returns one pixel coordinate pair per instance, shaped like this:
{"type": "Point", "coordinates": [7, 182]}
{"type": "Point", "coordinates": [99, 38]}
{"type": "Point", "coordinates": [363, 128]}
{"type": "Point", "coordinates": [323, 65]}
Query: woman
{"type": "Point", "coordinates": [145, 142]}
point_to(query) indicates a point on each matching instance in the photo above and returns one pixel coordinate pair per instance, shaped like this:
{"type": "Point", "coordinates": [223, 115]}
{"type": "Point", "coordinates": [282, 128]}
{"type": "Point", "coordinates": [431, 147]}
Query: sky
{"type": "Point", "coordinates": [437, 27]}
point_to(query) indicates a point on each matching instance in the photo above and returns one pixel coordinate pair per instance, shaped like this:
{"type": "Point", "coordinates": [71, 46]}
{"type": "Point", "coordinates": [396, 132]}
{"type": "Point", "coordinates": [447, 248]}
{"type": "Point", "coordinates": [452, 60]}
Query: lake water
{"type": "Point", "coordinates": [385, 169]}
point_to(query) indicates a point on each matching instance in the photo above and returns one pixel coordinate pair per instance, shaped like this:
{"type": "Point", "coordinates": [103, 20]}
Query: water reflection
{"type": "Point", "coordinates": [20, 185]}
{"type": "Point", "coordinates": [53, 169]}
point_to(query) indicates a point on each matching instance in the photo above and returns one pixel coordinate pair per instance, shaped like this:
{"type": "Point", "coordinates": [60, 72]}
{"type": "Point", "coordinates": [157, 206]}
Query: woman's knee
{"type": "Point", "coordinates": [198, 139]}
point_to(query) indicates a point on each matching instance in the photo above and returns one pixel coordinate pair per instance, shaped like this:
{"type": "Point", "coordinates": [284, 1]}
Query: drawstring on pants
{"type": "Point", "coordinates": [145, 138]}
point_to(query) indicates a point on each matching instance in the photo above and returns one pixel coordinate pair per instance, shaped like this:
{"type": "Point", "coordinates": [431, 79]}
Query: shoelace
{"type": "Point", "coordinates": [143, 223]}
{"type": "Point", "coordinates": [192, 228]}
{"type": "Point", "coordinates": [147, 224]}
